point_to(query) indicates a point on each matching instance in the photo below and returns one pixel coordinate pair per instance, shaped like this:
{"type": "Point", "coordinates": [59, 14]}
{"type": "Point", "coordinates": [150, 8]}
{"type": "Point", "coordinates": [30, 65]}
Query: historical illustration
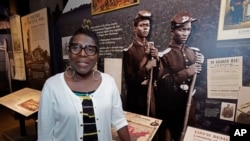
{"type": "Point", "coordinates": [101, 6]}
{"type": "Point", "coordinates": [234, 19]}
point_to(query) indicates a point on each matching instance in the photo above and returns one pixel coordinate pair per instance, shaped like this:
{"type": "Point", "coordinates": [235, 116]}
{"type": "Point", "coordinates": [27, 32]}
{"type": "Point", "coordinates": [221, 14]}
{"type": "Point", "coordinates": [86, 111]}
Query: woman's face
{"type": "Point", "coordinates": [83, 63]}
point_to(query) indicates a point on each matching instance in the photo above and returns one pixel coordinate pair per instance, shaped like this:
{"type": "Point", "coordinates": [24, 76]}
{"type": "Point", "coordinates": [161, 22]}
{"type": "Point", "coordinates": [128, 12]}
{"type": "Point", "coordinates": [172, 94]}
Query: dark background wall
{"type": "Point", "coordinates": [203, 36]}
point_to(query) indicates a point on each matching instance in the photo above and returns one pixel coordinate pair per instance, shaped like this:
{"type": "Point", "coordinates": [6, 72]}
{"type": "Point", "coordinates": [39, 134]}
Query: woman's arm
{"type": "Point", "coordinates": [124, 134]}
{"type": "Point", "coordinates": [45, 116]}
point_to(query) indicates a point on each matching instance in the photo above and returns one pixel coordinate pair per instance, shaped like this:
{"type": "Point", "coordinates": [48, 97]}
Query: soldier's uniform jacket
{"type": "Point", "coordinates": [134, 61]}
{"type": "Point", "coordinates": [175, 63]}
{"type": "Point", "coordinates": [173, 86]}
{"type": "Point", "coordinates": [136, 77]}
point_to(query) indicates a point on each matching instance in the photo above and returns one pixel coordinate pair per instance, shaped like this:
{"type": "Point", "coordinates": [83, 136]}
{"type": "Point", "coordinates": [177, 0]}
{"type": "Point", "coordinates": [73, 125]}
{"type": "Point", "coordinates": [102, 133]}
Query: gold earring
{"type": "Point", "coordinates": [69, 69]}
{"type": "Point", "coordinates": [93, 75]}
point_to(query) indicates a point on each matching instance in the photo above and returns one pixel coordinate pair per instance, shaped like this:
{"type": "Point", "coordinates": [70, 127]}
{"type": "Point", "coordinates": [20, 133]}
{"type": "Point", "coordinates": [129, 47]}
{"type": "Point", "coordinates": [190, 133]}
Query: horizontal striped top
{"type": "Point", "coordinates": [90, 131]}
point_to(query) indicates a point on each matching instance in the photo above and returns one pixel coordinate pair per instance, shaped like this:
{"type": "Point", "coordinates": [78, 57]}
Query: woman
{"type": "Point", "coordinates": [81, 103]}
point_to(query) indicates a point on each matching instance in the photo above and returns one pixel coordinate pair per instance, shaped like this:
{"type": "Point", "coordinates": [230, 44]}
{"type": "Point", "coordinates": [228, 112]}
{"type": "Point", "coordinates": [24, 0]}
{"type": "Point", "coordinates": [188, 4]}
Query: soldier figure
{"type": "Point", "coordinates": [137, 64]}
{"type": "Point", "coordinates": [178, 66]}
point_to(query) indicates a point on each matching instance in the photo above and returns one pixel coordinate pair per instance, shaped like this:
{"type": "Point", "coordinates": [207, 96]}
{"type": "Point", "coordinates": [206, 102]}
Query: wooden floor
{"type": "Point", "coordinates": [10, 127]}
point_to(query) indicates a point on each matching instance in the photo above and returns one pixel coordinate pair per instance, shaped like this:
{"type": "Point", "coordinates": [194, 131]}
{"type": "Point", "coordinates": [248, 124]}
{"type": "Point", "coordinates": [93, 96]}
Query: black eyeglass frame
{"type": "Point", "coordinates": [85, 48]}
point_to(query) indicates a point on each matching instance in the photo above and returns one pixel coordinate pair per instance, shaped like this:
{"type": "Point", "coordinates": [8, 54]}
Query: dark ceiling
{"type": "Point", "coordinates": [22, 8]}
{"type": "Point", "coordinates": [4, 9]}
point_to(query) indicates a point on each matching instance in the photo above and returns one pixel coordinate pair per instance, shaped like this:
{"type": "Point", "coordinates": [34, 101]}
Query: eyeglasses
{"type": "Point", "coordinates": [76, 49]}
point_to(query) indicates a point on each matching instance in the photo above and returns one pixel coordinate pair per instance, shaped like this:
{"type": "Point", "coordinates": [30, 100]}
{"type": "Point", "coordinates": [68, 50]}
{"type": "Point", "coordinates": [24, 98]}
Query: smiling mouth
{"type": "Point", "coordinates": [82, 64]}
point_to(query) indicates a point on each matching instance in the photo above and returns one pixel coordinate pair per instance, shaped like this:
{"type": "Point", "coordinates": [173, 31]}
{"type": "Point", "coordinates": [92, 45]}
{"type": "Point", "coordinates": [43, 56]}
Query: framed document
{"type": "Point", "coordinates": [24, 101]}
{"type": "Point", "coordinates": [18, 54]}
{"type": "Point", "coordinates": [195, 134]}
{"type": "Point", "coordinates": [141, 128]}
{"type": "Point", "coordinates": [36, 41]}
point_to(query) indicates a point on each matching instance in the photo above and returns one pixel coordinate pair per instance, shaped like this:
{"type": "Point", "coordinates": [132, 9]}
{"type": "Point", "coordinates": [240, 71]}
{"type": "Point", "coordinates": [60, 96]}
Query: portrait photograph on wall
{"type": "Point", "coordinates": [100, 6]}
{"type": "Point", "coordinates": [227, 111]}
{"type": "Point", "coordinates": [234, 20]}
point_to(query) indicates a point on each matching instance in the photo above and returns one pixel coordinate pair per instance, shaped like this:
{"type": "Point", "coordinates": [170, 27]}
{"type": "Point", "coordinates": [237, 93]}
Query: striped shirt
{"type": "Point", "coordinates": [90, 131]}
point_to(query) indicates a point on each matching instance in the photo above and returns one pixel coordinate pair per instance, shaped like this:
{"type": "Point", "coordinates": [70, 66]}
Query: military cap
{"type": "Point", "coordinates": [180, 19]}
{"type": "Point", "coordinates": [142, 15]}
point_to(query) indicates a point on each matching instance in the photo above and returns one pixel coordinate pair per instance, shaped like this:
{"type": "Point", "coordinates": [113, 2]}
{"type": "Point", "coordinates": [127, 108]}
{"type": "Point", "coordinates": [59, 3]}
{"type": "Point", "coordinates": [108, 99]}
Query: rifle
{"type": "Point", "coordinates": [190, 94]}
